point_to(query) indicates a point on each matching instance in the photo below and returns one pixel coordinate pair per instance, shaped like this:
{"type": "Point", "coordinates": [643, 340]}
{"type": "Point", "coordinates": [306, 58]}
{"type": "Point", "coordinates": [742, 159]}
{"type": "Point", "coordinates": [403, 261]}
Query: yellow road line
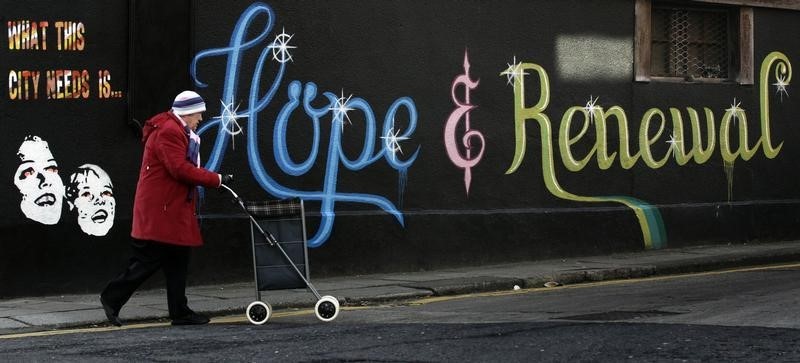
{"type": "Point", "coordinates": [584, 285]}
{"type": "Point", "coordinates": [82, 330]}
{"type": "Point", "coordinates": [430, 300]}
{"type": "Point", "coordinates": [231, 319]}
{"type": "Point", "coordinates": [282, 314]}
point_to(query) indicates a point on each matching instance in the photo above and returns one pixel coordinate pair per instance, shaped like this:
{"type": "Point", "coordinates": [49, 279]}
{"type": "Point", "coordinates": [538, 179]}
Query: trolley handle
{"type": "Point", "coordinates": [238, 200]}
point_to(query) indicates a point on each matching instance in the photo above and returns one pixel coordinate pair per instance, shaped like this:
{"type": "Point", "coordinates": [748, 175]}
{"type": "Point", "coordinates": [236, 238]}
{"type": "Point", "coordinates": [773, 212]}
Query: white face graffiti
{"type": "Point", "coordinates": [38, 182]}
{"type": "Point", "coordinates": [90, 191]}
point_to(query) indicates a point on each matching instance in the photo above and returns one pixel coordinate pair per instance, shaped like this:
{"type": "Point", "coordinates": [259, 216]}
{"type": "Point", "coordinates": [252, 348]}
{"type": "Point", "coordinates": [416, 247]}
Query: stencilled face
{"type": "Point", "coordinates": [90, 191]}
{"type": "Point", "coordinates": [38, 182]}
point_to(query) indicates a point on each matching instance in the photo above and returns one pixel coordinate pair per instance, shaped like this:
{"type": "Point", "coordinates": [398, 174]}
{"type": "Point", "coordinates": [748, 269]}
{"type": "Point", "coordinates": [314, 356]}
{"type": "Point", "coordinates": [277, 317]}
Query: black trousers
{"type": "Point", "coordinates": [149, 257]}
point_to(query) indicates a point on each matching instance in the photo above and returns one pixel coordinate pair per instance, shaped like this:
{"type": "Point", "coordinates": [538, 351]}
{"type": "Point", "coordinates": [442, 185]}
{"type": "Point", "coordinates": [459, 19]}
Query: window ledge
{"type": "Point", "coordinates": [697, 80]}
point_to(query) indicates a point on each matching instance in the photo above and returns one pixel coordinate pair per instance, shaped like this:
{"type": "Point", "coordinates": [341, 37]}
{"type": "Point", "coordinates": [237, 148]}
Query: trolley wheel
{"type": "Point", "coordinates": [258, 312]}
{"type": "Point", "coordinates": [327, 308]}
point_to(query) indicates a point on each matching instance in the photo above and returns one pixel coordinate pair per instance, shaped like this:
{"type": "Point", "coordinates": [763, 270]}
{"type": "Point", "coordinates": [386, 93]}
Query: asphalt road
{"type": "Point", "coordinates": [745, 315]}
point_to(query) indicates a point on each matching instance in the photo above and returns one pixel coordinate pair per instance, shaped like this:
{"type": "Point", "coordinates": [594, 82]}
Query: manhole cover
{"type": "Point", "coordinates": [620, 315]}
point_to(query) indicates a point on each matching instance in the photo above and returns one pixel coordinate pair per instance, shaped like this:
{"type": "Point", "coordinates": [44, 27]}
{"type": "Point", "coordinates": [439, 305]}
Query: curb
{"type": "Point", "coordinates": [397, 290]}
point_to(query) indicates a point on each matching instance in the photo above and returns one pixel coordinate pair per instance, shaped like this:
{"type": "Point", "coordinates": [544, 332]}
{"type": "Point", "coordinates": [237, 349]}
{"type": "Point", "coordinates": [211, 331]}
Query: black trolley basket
{"type": "Point", "coordinates": [280, 255]}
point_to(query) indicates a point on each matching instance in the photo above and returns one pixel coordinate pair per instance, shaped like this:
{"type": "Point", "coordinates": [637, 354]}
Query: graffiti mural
{"type": "Point", "coordinates": [650, 221]}
{"type": "Point", "coordinates": [91, 194]}
{"type": "Point", "coordinates": [336, 110]}
{"type": "Point", "coordinates": [40, 186]}
{"type": "Point", "coordinates": [463, 108]}
{"type": "Point", "coordinates": [421, 135]}
{"type": "Point", "coordinates": [464, 145]}
{"type": "Point", "coordinates": [42, 192]}
{"type": "Point", "coordinates": [33, 85]}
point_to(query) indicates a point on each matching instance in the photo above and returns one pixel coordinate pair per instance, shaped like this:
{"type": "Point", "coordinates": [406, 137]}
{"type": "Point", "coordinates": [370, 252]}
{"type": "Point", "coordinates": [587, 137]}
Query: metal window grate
{"type": "Point", "coordinates": [689, 43]}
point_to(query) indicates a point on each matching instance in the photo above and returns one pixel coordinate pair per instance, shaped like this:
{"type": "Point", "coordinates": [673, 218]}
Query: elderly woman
{"type": "Point", "coordinates": [165, 227]}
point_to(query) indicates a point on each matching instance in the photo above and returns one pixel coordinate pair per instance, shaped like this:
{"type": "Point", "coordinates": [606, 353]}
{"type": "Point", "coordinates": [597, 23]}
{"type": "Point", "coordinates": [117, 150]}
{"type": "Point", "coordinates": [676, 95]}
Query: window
{"type": "Point", "coordinates": [689, 42]}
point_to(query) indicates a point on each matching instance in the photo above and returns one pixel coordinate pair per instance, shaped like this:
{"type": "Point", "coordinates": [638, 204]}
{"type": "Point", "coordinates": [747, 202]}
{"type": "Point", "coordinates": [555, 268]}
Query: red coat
{"type": "Point", "coordinates": [163, 210]}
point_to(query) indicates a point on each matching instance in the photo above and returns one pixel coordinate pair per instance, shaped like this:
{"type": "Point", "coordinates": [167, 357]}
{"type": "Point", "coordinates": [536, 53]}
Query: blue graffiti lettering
{"type": "Point", "coordinates": [329, 195]}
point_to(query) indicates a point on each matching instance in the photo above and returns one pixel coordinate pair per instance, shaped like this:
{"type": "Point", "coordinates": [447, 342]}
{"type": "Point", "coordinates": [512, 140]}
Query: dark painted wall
{"type": "Point", "coordinates": [89, 129]}
{"type": "Point", "coordinates": [92, 128]}
{"type": "Point", "coordinates": [390, 209]}
{"type": "Point", "coordinates": [162, 48]}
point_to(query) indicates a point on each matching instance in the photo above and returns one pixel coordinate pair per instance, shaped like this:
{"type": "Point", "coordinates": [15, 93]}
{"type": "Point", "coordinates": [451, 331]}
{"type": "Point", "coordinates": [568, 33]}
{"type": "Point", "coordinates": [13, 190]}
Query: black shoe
{"type": "Point", "coordinates": [113, 316]}
{"type": "Point", "coordinates": [191, 319]}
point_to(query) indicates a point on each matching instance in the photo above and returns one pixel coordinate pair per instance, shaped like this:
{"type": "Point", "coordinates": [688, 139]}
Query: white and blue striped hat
{"type": "Point", "coordinates": [187, 103]}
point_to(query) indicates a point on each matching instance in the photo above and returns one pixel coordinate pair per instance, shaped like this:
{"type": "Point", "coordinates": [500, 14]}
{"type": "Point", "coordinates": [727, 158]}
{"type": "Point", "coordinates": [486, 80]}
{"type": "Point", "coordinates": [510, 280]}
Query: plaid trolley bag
{"type": "Point", "coordinates": [285, 219]}
{"type": "Point", "coordinates": [280, 256]}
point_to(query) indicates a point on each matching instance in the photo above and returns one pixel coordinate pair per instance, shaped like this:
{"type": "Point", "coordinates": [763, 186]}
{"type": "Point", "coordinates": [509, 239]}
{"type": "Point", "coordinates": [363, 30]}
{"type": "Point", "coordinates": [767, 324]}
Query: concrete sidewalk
{"type": "Point", "coordinates": [58, 312]}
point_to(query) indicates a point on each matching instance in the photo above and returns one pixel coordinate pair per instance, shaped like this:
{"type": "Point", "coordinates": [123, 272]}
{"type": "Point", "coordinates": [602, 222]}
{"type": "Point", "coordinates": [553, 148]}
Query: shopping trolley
{"type": "Point", "coordinates": [280, 263]}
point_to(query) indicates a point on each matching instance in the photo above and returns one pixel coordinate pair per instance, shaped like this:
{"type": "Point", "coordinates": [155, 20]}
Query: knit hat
{"type": "Point", "coordinates": [187, 103]}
